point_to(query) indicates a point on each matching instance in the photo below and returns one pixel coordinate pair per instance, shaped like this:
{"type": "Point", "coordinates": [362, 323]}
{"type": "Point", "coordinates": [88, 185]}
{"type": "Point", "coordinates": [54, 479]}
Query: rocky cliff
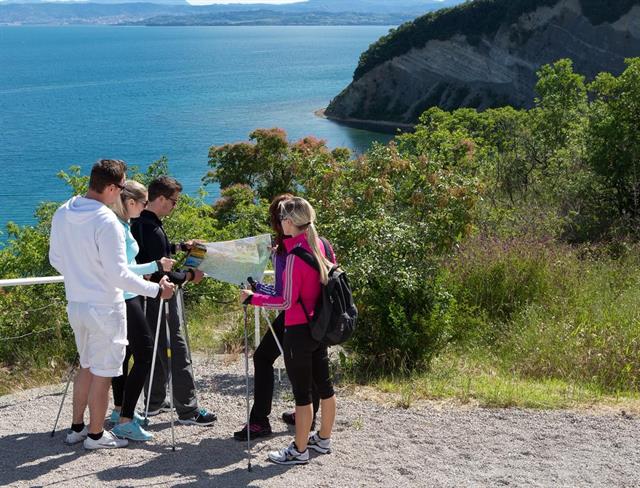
{"type": "Point", "coordinates": [466, 57]}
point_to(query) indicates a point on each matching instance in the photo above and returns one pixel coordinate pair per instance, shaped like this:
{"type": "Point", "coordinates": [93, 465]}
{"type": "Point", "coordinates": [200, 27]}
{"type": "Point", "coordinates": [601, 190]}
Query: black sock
{"type": "Point", "coordinates": [77, 427]}
{"type": "Point", "coordinates": [322, 438]}
{"type": "Point", "coordinates": [95, 437]}
{"type": "Point", "coordinates": [301, 452]}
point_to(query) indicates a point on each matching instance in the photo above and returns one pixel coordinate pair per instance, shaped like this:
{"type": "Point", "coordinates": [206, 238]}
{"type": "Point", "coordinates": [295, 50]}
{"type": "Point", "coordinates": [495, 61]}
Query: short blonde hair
{"type": "Point", "coordinates": [132, 191]}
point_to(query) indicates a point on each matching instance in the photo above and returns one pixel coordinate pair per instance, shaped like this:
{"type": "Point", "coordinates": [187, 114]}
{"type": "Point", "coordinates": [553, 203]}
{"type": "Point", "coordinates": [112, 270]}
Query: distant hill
{"type": "Point", "coordinates": [162, 12]}
{"type": "Point", "coordinates": [416, 7]}
{"type": "Point", "coordinates": [78, 2]}
{"type": "Point", "coordinates": [83, 13]}
{"type": "Point", "coordinates": [484, 54]}
{"type": "Point", "coordinates": [370, 6]}
{"type": "Point", "coordinates": [272, 17]}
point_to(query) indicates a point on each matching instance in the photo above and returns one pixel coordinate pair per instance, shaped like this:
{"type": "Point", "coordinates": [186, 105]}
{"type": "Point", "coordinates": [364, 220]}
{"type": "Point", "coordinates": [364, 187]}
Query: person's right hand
{"type": "Point", "coordinates": [167, 288]}
{"type": "Point", "coordinates": [197, 276]}
{"type": "Point", "coordinates": [167, 263]}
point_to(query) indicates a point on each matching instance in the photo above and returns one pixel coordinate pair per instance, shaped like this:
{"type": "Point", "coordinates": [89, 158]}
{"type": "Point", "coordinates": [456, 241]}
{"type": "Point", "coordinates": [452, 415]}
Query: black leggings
{"type": "Point", "coordinates": [127, 388]}
{"type": "Point", "coordinates": [307, 363]}
{"type": "Point", "coordinates": [263, 358]}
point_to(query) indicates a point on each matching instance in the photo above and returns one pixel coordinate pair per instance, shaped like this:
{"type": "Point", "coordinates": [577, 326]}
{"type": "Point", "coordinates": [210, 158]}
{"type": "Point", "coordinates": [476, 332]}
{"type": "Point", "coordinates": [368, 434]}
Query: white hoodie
{"type": "Point", "coordinates": [87, 247]}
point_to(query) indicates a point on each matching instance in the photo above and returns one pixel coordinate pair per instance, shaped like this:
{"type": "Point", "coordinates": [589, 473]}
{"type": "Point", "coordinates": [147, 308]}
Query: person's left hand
{"type": "Point", "coordinates": [167, 264]}
{"type": "Point", "coordinates": [244, 294]}
{"type": "Point", "coordinates": [197, 276]}
{"type": "Point", "coordinates": [191, 242]}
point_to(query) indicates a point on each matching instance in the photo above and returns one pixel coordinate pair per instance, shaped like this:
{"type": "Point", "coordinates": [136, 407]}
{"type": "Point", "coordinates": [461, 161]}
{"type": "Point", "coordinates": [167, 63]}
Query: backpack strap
{"type": "Point", "coordinates": [306, 256]}
{"type": "Point", "coordinates": [310, 259]}
{"type": "Point", "coordinates": [328, 252]}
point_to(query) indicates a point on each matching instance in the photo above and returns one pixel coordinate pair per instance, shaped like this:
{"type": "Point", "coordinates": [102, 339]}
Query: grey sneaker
{"type": "Point", "coordinates": [323, 446]}
{"type": "Point", "coordinates": [289, 455]}
{"type": "Point", "coordinates": [165, 407]}
{"type": "Point", "coordinates": [74, 437]}
{"type": "Point", "coordinates": [107, 441]}
{"type": "Point", "coordinates": [202, 418]}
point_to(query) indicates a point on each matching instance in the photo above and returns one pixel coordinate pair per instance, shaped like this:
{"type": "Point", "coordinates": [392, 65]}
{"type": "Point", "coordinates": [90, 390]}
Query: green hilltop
{"type": "Point", "coordinates": [473, 19]}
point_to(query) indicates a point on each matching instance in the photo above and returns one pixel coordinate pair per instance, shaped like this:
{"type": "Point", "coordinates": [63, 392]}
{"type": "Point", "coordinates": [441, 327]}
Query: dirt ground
{"type": "Point", "coordinates": [374, 444]}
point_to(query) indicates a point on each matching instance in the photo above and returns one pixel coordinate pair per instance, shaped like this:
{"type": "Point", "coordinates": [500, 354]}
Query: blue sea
{"type": "Point", "coordinates": [71, 95]}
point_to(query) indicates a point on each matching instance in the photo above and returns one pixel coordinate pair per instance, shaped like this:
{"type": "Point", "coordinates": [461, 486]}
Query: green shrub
{"type": "Point", "coordinates": [501, 277]}
{"type": "Point", "coordinates": [587, 331]}
{"type": "Point", "coordinates": [391, 215]}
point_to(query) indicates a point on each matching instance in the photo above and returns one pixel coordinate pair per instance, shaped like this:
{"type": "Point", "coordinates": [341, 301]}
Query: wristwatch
{"type": "Point", "coordinates": [191, 273]}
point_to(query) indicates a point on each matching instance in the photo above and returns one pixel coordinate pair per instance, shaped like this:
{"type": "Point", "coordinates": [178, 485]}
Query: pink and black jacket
{"type": "Point", "coordinates": [300, 282]}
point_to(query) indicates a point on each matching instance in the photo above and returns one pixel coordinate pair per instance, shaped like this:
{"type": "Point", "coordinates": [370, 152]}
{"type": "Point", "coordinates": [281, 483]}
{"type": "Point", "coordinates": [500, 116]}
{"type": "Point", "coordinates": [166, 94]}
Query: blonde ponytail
{"type": "Point", "coordinates": [303, 216]}
{"type": "Point", "coordinates": [325, 264]}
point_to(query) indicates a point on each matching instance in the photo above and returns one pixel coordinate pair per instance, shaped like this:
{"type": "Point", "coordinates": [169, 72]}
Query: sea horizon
{"type": "Point", "coordinates": [74, 94]}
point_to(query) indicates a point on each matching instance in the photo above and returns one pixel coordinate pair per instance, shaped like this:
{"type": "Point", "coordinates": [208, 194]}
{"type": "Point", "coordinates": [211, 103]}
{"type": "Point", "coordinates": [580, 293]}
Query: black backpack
{"type": "Point", "coordinates": [335, 316]}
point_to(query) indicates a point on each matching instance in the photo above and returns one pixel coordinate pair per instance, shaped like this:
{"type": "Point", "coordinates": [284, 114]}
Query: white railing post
{"type": "Point", "coordinates": [45, 280]}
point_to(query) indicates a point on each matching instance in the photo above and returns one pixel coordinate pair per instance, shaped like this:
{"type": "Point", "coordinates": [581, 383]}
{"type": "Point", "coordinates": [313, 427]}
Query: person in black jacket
{"type": "Point", "coordinates": [147, 230]}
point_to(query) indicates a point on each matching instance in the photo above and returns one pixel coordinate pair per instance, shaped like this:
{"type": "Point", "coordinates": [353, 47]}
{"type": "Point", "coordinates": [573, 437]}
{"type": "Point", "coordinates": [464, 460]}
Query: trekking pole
{"type": "Point", "coordinates": [170, 380]}
{"type": "Point", "coordinates": [275, 337]}
{"type": "Point", "coordinates": [64, 395]}
{"type": "Point", "coordinates": [183, 325]}
{"type": "Point", "coordinates": [246, 375]}
{"type": "Point", "coordinates": [153, 362]}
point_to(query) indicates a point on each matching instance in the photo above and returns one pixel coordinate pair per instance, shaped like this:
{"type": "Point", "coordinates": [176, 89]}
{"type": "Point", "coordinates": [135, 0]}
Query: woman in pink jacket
{"type": "Point", "coordinates": [306, 360]}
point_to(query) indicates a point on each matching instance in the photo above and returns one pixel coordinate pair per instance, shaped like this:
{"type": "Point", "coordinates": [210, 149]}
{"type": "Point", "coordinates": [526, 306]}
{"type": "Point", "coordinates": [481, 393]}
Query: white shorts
{"type": "Point", "coordinates": [101, 336]}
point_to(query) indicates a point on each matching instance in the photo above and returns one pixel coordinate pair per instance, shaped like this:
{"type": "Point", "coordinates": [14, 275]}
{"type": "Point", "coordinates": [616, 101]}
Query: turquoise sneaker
{"type": "Point", "coordinates": [115, 417]}
{"type": "Point", "coordinates": [132, 431]}
{"type": "Point", "coordinates": [137, 418]}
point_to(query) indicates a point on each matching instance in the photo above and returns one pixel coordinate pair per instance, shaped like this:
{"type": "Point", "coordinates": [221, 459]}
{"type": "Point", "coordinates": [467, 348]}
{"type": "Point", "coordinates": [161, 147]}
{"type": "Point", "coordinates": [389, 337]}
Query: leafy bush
{"type": "Point", "coordinates": [391, 215]}
{"type": "Point", "coordinates": [614, 138]}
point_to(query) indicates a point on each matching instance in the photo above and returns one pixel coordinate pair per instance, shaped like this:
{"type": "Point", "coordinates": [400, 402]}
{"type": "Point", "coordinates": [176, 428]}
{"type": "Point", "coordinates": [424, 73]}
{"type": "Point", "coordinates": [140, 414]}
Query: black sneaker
{"type": "Point", "coordinates": [289, 418]}
{"type": "Point", "coordinates": [201, 418]}
{"type": "Point", "coordinates": [165, 407]}
{"type": "Point", "coordinates": [256, 429]}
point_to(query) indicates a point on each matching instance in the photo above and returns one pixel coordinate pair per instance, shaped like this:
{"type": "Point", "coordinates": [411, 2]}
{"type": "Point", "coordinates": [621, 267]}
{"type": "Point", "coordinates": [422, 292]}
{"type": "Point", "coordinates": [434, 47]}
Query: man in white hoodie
{"type": "Point", "coordinates": [88, 247]}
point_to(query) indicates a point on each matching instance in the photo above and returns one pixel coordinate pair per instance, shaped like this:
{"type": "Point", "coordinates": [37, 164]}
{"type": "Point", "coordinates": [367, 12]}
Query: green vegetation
{"type": "Point", "coordinates": [493, 255]}
{"type": "Point", "coordinates": [475, 20]}
{"type": "Point", "coordinates": [476, 378]}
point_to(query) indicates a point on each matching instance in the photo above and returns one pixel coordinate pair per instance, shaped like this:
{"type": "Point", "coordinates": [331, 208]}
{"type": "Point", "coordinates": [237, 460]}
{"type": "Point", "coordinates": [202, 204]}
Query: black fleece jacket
{"type": "Point", "coordinates": [154, 244]}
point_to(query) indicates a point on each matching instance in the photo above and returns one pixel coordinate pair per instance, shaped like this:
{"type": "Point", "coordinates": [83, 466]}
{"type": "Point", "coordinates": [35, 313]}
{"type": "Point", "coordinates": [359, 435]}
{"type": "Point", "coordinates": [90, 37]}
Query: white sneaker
{"type": "Point", "coordinates": [107, 441]}
{"type": "Point", "coordinates": [323, 446]}
{"type": "Point", "coordinates": [74, 437]}
{"type": "Point", "coordinates": [289, 455]}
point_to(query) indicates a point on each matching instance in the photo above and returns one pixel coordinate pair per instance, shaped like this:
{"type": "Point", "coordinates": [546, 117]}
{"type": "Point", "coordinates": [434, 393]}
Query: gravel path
{"type": "Point", "coordinates": [431, 444]}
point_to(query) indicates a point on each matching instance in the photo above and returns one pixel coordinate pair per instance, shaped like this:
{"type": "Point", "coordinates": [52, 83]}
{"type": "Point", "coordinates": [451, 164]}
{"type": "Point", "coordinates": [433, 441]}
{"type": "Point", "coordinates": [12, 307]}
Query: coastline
{"type": "Point", "coordinates": [381, 126]}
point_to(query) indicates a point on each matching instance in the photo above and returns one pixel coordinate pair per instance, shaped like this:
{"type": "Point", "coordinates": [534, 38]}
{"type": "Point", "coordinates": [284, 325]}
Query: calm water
{"type": "Point", "coordinates": [70, 95]}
